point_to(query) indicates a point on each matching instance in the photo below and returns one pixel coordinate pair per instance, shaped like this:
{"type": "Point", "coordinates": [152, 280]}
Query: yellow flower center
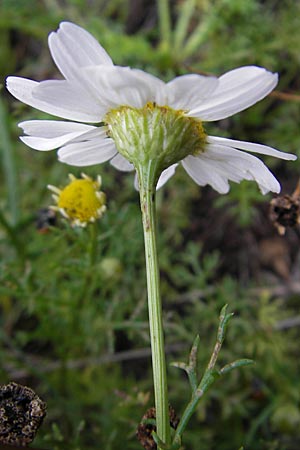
{"type": "Point", "coordinates": [81, 201]}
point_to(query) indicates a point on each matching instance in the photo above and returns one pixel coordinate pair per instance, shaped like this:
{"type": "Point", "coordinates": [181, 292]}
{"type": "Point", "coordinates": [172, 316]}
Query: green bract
{"type": "Point", "coordinates": [155, 133]}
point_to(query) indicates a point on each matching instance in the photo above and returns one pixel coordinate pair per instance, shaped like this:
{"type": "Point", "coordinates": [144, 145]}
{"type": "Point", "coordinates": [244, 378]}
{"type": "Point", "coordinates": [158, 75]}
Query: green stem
{"type": "Point", "coordinates": [164, 22]}
{"type": "Point", "coordinates": [188, 412]}
{"type": "Point", "coordinates": [200, 34]}
{"type": "Point", "coordinates": [9, 166]}
{"type": "Point", "coordinates": [209, 375]}
{"type": "Point", "coordinates": [13, 234]}
{"type": "Point", "coordinates": [182, 25]}
{"type": "Point", "coordinates": [93, 244]}
{"type": "Point", "coordinates": [87, 285]}
{"type": "Point", "coordinates": [147, 199]}
{"type": "Point", "coordinates": [88, 279]}
{"type": "Point", "coordinates": [205, 383]}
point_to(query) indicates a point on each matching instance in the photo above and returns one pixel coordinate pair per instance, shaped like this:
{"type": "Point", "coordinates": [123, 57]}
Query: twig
{"type": "Point", "coordinates": [285, 96]}
{"type": "Point", "coordinates": [280, 290]}
{"type": "Point", "coordinates": [45, 365]}
{"type": "Point", "coordinates": [287, 323]}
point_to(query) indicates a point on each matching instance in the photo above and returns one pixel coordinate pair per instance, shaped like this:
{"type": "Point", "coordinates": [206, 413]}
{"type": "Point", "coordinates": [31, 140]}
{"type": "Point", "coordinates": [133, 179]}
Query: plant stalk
{"type": "Point", "coordinates": [164, 16]}
{"type": "Point", "coordinates": [148, 208]}
{"type": "Point", "coordinates": [9, 166]}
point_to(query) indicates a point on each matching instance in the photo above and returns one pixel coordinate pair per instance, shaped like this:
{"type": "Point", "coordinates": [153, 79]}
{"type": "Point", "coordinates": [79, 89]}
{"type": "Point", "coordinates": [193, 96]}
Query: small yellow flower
{"type": "Point", "coordinates": [80, 201]}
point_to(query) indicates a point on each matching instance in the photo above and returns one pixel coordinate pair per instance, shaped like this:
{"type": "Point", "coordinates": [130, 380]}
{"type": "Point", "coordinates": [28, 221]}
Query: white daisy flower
{"type": "Point", "coordinates": [140, 111]}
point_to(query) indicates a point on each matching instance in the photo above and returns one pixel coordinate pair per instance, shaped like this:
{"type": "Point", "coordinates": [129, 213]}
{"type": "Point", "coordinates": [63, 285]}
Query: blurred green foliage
{"type": "Point", "coordinates": [76, 329]}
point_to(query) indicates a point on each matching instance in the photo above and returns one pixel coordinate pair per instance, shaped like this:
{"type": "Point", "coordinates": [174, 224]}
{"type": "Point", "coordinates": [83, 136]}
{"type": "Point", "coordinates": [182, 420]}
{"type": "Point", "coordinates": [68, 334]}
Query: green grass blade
{"type": "Point", "coordinates": [9, 166]}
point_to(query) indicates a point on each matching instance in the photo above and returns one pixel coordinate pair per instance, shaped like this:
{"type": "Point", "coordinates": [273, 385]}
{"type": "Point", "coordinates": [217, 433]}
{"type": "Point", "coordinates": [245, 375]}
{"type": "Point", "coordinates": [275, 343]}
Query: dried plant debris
{"type": "Point", "coordinates": [285, 210]}
{"type": "Point", "coordinates": [147, 426]}
{"type": "Point", "coordinates": [21, 414]}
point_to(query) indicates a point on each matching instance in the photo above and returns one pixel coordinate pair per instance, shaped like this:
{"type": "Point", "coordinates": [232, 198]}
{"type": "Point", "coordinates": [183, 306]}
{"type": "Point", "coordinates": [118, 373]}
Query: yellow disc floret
{"type": "Point", "coordinates": [81, 201]}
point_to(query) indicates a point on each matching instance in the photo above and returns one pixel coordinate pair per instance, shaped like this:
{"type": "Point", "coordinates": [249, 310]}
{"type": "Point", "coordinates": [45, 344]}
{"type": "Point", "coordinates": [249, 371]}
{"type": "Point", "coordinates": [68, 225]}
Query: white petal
{"type": "Point", "coordinates": [117, 86]}
{"type": "Point", "coordinates": [73, 47]}
{"type": "Point", "coordinates": [203, 172]}
{"type": "Point", "coordinates": [89, 152]}
{"type": "Point", "coordinates": [44, 144]}
{"type": "Point", "coordinates": [136, 182]}
{"type": "Point", "coordinates": [244, 166]}
{"type": "Point", "coordinates": [53, 128]}
{"type": "Point", "coordinates": [236, 91]}
{"type": "Point", "coordinates": [156, 88]}
{"type": "Point", "coordinates": [55, 100]}
{"type": "Point", "coordinates": [81, 105]}
{"type": "Point", "coordinates": [219, 163]}
{"type": "Point", "coordinates": [189, 91]}
{"type": "Point", "coordinates": [50, 134]}
{"type": "Point", "coordinates": [166, 175]}
{"type": "Point", "coordinates": [121, 163]}
{"type": "Point", "coordinates": [256, 148]}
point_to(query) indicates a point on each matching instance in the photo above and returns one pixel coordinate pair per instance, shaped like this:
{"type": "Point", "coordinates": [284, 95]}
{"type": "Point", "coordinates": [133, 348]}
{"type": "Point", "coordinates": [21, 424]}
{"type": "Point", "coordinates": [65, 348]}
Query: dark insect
{"type": "Point", "coordinates": [45, 218]}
